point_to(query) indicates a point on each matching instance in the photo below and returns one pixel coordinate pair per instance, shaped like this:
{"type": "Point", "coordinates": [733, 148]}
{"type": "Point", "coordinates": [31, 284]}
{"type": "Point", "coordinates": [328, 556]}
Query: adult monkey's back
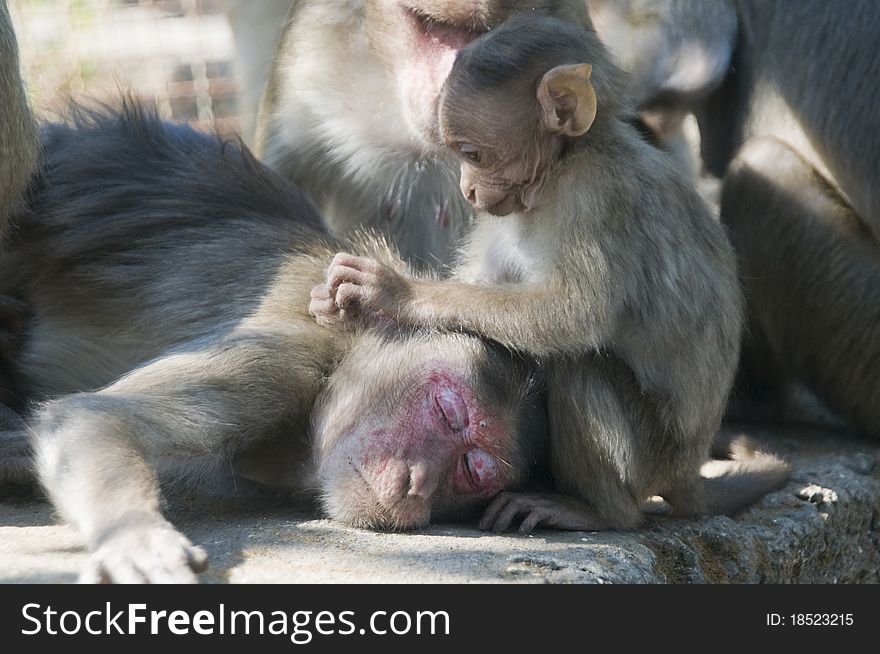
{"type": "Point", "coordinates": [786, 95]}
{"type": "Point", "coordinates": [350, 110]}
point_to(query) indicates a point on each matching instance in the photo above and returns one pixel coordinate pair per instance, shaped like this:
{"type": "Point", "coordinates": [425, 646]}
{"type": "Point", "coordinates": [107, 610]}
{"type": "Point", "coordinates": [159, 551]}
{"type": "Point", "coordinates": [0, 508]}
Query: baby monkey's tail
{"type": "Point", "coordinates": [746, 474]}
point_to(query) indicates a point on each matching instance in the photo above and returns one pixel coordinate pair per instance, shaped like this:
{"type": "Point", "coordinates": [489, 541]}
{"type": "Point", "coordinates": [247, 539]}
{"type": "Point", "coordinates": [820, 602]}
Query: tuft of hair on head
{"type": "Point", "coordinates": [530, 45]}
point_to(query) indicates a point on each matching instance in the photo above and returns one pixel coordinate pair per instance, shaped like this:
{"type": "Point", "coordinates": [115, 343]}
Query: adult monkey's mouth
{"type": "Point", "coordinates": [437, 31]}
{"type": "Point", "coordinates": [451, 31]}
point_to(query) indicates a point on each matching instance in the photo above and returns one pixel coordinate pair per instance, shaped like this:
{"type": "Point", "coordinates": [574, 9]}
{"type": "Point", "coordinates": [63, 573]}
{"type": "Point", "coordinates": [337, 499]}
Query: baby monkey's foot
{"type": "Point", "coordinates": [540, 509]}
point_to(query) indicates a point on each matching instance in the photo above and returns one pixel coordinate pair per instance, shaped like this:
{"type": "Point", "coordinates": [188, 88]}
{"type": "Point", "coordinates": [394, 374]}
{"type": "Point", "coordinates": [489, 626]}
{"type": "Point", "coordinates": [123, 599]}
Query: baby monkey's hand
{"type": "Point", "coordinates": [377, 292]}
{"type": "Point", "coordinates": [323, 307]}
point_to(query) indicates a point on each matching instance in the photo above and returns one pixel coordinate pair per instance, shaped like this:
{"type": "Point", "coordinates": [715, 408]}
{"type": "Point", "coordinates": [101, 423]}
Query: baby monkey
{"type": "Point", "coordinates": [593, 253]}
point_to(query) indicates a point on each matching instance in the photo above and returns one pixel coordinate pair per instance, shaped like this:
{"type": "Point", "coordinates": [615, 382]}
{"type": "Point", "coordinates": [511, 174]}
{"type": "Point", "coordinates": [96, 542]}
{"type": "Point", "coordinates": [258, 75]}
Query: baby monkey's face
{"type": "Point", "coordinates": [504, 153]}
{"type": "Point", "coordinates": [508, 138]}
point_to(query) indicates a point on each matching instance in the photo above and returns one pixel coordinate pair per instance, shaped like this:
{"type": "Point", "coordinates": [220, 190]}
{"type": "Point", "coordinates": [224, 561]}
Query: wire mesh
{"type": "Point", "coordinates": [178, 53]}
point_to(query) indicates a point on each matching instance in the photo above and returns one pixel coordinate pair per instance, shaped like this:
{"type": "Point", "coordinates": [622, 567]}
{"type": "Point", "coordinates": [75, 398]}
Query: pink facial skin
{"type": "Point", "coordinates": [436, 449]}
{"type": "Point", "coordinates": [443, 443]}
{"type": "Point", "coordinates": [434, 47]}
{"type": "Point", "coordinates": [506, 180]}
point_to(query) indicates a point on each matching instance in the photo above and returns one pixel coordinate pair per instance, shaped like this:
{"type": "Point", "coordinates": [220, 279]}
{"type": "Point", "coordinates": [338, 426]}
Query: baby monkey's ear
{"type": "Point", "coordinates": [567, 99]}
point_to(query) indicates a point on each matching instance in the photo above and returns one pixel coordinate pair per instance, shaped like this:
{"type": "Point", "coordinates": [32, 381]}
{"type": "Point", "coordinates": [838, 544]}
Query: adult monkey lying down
{"type": "Point", "coordinates": [172, 272]}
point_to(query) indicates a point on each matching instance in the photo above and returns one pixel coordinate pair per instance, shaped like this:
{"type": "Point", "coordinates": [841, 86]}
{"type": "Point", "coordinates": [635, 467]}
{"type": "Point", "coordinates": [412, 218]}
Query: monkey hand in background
{"type": "Point", "coordinates": [592, 252]}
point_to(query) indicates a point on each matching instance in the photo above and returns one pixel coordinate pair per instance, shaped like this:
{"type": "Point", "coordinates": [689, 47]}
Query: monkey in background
{"type": "Point", "coordinates": [785, 95]}
{"type": "Point", "coordinates": [590, 252]}
{"type": "Point", "coordinates": [256, 29]}
{"type": "Point", "coordinates": [374, 159]}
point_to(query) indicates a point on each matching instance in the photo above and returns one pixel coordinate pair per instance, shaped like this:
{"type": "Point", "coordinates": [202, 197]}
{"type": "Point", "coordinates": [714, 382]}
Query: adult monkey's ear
{"type": "Point", "coordinates": [568, 100]}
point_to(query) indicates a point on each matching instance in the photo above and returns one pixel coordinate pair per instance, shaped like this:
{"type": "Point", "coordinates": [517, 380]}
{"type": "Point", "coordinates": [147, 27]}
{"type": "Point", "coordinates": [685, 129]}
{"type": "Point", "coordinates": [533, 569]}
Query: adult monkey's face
{"type": "Point", "coordinates": [415, 427]}
{"type": "Point", "coordinates": [419, 40]}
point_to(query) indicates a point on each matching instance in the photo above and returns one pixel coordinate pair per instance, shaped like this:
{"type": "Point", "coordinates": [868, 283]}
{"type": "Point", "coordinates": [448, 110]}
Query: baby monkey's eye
{"type": "Point", "coordinates": [470, 152]}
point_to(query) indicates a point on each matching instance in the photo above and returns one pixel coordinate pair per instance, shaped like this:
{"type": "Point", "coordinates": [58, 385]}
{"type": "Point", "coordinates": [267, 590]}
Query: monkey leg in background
{"type": "Point", "coordinates": [19, 140]}
{"type": "Point", "coordinates": [256, 29]}
{"type": "Point", "coordinates": [811, 271]}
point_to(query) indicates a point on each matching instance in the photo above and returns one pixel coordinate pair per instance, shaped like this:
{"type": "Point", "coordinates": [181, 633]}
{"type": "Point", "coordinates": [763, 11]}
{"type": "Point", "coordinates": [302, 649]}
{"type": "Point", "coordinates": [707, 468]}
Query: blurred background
{"type": "Point", "coordinates": [177, 52]}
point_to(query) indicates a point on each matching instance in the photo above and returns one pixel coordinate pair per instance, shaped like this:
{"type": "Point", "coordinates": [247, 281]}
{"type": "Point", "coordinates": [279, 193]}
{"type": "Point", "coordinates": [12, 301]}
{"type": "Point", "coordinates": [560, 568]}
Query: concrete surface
{"type": "Point", "coordinates": [823, 527]}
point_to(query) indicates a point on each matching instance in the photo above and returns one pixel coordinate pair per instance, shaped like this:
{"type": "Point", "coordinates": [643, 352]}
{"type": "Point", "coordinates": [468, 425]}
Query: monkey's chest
{"type": "Point", "coordinates": [503, 256]}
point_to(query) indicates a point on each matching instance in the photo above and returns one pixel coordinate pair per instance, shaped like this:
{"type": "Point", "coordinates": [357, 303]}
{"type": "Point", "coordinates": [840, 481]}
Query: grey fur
{"type": "Point", "coordinates": [811, 273]}
{"type": "Point", "coordinates": [793, 119]}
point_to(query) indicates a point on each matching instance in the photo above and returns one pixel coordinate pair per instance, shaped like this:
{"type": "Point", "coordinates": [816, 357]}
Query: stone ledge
{"type": "Point", "coordinates": [821, 528]}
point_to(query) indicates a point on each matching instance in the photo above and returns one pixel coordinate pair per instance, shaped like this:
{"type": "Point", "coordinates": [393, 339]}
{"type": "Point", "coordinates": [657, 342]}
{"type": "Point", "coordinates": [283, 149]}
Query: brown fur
{"type": "Point", "coordinates": [617, 278]}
